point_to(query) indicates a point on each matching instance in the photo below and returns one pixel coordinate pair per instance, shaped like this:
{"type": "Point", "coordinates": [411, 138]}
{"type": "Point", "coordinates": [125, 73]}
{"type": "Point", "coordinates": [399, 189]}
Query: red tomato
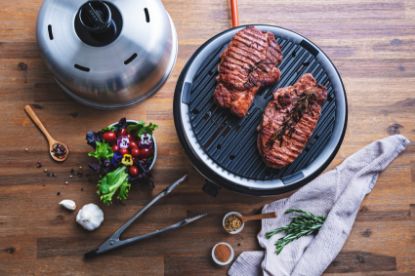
{"type": "Point", "coordinates": [133, 144]}
{"type": "Point", "coordinates": [135, 152]}
{"type": "Point", "coordinates": [115, 148]}
{"type": "Point", "coordinates": [109, 136]}
{"type": "Point", "coordinates": [133, 170]}
{"type": "Point", "coordinates": [129, 136]}
{"type": "Point", "coordinates": [123, 132]}
{"type": "Point", "coordinates": [145, 152]}
{"type": "Point", "coordinates": [123, 151]}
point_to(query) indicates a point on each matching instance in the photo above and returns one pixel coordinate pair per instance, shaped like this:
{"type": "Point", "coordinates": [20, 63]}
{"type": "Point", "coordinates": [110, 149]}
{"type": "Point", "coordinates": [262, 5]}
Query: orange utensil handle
{"type": "Point", "coordinates": [260, 216]}
{"type": "Point", "coordinates": [234, 13]}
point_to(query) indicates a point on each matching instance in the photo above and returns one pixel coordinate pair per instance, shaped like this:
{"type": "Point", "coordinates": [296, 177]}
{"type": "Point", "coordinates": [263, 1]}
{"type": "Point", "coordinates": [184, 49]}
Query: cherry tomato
{"type": "Point", "coordinates": [115, 148]}
{"type": "Point", "coordinates": [109, 136]}
{"type": "Point", "coordinates": [123, 151]}
{"type": "Point", "coordinates": [145, 152]}
{"type": "Point", "coordinates": [123, 132]}
{"type": "Point", "coordinates": [133, 144]}
{"type": "Point", "coordinates": [135, 152]}
{"type": "Point", "coordinates": [133, 170]}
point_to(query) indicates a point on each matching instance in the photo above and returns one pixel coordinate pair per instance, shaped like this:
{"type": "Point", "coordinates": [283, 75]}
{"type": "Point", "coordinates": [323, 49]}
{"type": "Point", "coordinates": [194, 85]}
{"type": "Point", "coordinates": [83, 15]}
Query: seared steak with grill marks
{"type": "Point", "coordinates": [249, 62]}
{"type": "Point", "coordinates": [289, 120]}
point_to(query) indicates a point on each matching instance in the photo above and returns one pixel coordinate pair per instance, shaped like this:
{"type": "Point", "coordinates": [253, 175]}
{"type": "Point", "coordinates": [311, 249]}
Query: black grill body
{"type": "Point", "coordinates": [223, 147]}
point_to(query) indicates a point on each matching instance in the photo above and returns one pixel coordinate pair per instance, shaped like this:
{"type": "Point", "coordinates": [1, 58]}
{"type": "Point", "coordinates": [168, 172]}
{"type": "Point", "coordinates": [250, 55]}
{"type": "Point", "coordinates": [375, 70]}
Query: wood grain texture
{"type": "Point", "coordinates": [372, 43]}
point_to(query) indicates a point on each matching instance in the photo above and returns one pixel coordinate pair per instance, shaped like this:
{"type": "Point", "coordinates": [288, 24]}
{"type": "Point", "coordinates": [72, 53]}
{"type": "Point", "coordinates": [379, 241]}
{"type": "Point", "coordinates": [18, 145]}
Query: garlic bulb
{"type": "Point", "coordinates": [90, 217]}
{"type": "Point", "coordinates": [68, 204]}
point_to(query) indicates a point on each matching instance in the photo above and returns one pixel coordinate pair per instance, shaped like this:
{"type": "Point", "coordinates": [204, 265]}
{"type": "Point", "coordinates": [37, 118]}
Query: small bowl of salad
{"type": "Point", "coordinates": [124, 154]}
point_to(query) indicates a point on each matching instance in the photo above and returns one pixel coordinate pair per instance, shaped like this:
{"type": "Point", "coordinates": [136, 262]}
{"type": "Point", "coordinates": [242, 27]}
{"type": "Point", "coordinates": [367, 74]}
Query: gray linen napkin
{"type": "Point", "coordinates": [336, 194]}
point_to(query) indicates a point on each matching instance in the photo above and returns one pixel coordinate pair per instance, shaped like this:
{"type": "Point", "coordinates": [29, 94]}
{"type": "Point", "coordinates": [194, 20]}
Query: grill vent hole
{"type": "Point", "coordinates": [293, 54]}
{"type": "Point", "coordinates": [232, 157]}
{"type": "Point", "coordinates": [306, 63]}
{"type": "Point", "coordinates": [82, 68]}
{"type": "Point", "coordinates": [128, 60]}
{"type": "Point", "coordinates": [218, 147]}
{"type": "Point", "coordinates": [50, 32]}
{"type": "Point", "coordinates": [195, 111]}
{"type": "Point", "coordinates": [147, 15]}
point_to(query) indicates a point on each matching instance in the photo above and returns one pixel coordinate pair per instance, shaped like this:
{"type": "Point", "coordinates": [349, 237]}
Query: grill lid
{"type": "Point", "coordinates": [223, 148]}
{"type": "Point", "coordinates": [107, 54]}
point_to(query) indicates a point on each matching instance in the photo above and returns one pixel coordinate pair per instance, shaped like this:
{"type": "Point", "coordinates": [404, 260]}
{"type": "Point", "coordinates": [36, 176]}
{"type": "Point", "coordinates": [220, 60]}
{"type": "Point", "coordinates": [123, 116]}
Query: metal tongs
{"type": "Point", "coordinates": [114, 241]}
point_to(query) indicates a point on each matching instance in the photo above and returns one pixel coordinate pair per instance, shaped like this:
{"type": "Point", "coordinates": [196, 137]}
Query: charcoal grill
{"type": "Point", "coordinates": [223, 148]}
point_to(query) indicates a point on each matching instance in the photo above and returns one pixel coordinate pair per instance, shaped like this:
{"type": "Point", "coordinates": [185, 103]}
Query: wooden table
{"type": "Point", "coordinates": [372, 43]}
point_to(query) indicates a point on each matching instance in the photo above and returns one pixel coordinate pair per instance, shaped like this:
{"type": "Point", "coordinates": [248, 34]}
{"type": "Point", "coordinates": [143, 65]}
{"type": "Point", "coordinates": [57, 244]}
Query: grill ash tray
{"type": "Point", "coordinates": [223, 147]}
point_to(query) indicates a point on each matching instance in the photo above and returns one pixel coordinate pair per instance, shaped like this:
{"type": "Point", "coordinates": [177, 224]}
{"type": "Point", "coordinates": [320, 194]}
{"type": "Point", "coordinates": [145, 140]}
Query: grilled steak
{"type": "Point", "coordinates": [249, 62]}
{"type": "Point", "coordinates": [289, 120]}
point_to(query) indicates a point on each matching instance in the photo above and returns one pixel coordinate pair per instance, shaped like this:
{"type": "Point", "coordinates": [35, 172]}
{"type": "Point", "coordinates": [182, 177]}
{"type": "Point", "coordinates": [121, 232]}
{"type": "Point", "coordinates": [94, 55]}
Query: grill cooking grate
{"type": "Point", "coordinates": [230, 141]}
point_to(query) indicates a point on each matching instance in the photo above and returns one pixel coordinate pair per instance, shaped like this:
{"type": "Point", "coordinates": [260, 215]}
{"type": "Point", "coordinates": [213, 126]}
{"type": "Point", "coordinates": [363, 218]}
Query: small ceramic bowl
{"type": "Point", "coordinates": [154, 141]}
{"type": "Point", "coordinates": [218, 262]}
{"type": "Point", "coordinates": [237, 231]}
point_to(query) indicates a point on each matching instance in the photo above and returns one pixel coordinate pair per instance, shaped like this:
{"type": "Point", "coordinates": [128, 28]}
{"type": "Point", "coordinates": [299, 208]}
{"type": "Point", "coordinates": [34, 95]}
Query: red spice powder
{"type": "Point", "coordinates": [222, 253]}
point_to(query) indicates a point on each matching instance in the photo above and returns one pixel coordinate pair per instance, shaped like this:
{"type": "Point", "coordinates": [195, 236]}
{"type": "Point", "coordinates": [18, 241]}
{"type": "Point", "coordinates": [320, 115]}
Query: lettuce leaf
{"type": "Point", "coordinates": [112, 182]}
{"type": "Point", "coordinates": [102, 151]}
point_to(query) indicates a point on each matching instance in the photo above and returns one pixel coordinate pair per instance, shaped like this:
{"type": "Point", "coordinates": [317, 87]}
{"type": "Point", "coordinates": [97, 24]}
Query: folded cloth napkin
{"type": "Point", "coordinates": [337, 195]}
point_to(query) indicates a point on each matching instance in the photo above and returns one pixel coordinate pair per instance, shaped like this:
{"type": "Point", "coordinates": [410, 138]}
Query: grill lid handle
{"type": "Point", "coordinates": [98, 23]}
{"type": "Point", "coordinates": [95, 16]}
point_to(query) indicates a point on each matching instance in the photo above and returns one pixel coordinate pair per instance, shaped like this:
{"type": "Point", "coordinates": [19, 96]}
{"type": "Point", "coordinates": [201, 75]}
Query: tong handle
{"type": "Point", "coordinates": [112, 244]}
{"type": "Point", "coordinates": [165, 192]}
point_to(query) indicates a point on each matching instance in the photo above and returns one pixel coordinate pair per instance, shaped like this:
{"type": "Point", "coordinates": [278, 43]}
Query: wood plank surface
{"type": "Point", "coordinates": [372, 43]}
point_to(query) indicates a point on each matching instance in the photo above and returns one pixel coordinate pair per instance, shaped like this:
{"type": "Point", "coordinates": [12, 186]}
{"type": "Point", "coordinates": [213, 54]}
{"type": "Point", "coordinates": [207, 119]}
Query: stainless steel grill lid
{"type": "Point", "coordinates": [107, 54]}
{"type": "Point", "coordinates": [223, 148]}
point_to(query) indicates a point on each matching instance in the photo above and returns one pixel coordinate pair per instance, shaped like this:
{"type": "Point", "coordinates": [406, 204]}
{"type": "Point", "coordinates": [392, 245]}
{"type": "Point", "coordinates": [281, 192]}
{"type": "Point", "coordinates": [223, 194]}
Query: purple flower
{"type": "Point", "coordinates": [146, 141]}
{"type": "Point", "coordinates": [116, 159]}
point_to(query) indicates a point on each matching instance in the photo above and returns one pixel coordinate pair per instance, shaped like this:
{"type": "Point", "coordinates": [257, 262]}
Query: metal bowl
{"type": "Point", "coordinates": [107, 54]}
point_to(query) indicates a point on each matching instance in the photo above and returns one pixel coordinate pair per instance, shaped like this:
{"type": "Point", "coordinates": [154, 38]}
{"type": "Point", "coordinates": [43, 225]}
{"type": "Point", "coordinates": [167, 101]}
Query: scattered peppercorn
{"type": "Point", "coordinates": [59, 150]}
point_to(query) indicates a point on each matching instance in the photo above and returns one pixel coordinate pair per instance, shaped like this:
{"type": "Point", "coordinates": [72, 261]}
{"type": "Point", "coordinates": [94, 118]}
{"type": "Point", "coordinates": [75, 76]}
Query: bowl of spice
{"type": "Point", "coordinates": [232, 222]}
{"type": "Point", "coordinates": [222, 253]}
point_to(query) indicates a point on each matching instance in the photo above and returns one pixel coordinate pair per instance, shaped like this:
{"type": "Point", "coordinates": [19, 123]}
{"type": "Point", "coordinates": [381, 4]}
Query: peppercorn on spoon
{"type": "Point", "coordinates": [115, 241]}
{"type": "Point", "coordinates": [57, 150]}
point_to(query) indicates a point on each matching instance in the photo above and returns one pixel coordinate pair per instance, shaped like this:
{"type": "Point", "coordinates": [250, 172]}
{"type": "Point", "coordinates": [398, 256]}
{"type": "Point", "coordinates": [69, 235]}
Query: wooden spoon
{"type": "Point", "coordinates": [259, 216]}
{"type": "Point", "coordinates": [52, 142]}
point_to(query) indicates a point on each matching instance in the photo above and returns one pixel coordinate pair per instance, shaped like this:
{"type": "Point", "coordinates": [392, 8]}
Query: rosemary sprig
{"type": "Point", "coordinates": [300, 107]}
{"type": "Point", "coordinates": [305, 223]}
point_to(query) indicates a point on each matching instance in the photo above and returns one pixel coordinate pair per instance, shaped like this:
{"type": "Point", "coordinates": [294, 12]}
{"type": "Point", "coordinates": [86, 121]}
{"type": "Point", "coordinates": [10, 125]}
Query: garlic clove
{"type": "Point", "coordinates": [90, 217]}
{"type": "Point", "coordinates": [68, 204]}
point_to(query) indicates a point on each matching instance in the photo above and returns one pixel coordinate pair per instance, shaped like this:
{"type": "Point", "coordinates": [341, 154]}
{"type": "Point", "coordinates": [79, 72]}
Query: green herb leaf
{"type": "Point", "coordinates": [305, 223]}
{"type": "Point", "coordinates": [102, 151]}
{"type": "Point", "coordinates": [112, 182]}
{"type": "Point", "coordinates": [108, 128]}
{"type": "Point", "coordinates": [141, 128]}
